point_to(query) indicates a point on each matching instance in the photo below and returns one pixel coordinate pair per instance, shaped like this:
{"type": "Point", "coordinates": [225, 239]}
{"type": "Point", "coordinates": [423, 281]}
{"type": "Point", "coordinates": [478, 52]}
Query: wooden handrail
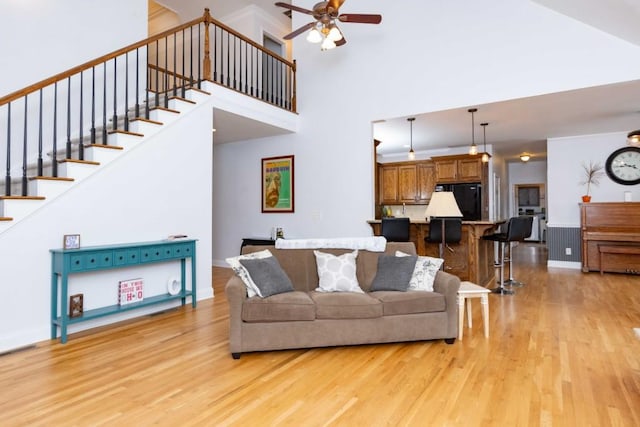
{"type": "Point", "coordinates": [206, 18]}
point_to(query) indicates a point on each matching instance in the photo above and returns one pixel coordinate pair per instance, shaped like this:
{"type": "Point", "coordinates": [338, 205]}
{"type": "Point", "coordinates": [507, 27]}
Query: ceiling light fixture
{"type": "Point", "coordinates": [412, 154]}
{"type": "Point", "coordinates": [473, 150]}
{"type": "Point", "coordinates": [633, 138]}
{"type": "Point", "coordinates": [525, 157]}
{"type": "Point", "coordinates": [485, 155]}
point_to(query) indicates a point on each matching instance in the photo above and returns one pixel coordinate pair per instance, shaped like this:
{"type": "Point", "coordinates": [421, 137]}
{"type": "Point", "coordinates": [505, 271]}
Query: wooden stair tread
{"type": "Point", "coordinates": [142, 119]}
{"type": "Point", "coordinates": [179, 98]}
{"type": "Point", "coordinates": [21, 198]}
{"type": "Point", "coordinates": [86, 162]}
{"type": "Point", "coordinates": [5, 218]}
{"type": "Point", "coordinates": [111, 147]}
{"type": "Point", "coordinates": [165, 109]}
{"type": "Point", "coordinates": [125, 132]}
{"type": "Point", "coordinates": [51, 178]}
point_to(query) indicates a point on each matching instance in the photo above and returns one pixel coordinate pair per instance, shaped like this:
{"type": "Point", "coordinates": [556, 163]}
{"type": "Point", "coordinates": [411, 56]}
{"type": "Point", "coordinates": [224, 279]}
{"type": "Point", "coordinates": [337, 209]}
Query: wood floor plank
{"type": "Point", "coordinates": [561, 352]}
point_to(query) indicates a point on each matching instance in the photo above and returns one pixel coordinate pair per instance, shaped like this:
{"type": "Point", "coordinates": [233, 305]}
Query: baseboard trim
{"type": "Point", "coordinates": [564, 264]}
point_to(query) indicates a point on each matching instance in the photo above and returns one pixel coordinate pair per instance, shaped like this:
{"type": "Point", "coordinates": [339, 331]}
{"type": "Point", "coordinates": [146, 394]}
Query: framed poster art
{"type": "Point", "coordinates": [277, 184]}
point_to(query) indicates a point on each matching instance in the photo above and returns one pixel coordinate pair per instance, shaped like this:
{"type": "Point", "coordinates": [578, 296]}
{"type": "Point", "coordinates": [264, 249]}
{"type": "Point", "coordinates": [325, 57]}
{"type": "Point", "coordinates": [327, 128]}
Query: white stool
{"type": "Point", "coordinates": [471, 290]}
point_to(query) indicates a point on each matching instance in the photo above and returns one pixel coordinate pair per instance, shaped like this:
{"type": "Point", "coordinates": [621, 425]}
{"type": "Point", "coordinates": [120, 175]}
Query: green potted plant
{"type": "Point", "coordinates": [592, 174]}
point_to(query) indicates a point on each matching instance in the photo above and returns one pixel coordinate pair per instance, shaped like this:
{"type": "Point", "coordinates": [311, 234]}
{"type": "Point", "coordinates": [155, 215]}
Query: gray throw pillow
{"type": "Point", "coordinates": [268, 276]}
{"type": "Point", "coordinates": [394, 273]}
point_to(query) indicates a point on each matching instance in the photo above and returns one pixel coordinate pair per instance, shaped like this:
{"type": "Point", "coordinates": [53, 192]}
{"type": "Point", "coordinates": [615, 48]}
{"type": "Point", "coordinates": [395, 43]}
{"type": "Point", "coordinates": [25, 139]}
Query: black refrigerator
{"type": "Point", "coordinates": [468, 197]}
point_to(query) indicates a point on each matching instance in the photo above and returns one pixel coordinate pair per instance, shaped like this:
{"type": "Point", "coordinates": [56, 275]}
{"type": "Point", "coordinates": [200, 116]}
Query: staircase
{"type": "Point", "coordinates": [65, 128]}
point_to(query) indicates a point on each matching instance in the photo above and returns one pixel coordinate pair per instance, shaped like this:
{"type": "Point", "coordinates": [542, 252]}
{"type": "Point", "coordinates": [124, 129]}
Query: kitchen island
{"type": "Point", "coordinates": [472, 259]}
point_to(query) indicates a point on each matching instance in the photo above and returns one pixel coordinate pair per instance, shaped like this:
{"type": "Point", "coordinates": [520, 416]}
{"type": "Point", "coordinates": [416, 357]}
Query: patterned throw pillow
{"type": "Point", "coordinates": [337, 273]}
{"type": "Point", "coordinates": [234, 262]}
{"type": "Point", "coordinates": [424, 273]}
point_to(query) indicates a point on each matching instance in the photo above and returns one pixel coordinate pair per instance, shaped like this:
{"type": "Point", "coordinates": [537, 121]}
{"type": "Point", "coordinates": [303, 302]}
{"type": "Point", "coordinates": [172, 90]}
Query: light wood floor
{"type": "Point", "coordinates": [562, 352]}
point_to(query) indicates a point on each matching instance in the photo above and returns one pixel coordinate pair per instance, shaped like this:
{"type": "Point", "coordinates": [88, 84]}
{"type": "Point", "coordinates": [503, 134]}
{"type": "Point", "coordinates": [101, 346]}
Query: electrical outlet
{"type": "Point", "coordinates": [567, 251]}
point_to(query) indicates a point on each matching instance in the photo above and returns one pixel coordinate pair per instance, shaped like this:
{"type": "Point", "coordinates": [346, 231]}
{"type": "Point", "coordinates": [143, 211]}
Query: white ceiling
{"type": "Point", "coordinates": [514, 126]}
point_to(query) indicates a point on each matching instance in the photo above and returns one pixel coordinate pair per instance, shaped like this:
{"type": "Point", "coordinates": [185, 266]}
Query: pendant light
{"type": "Point", "coordinates": [473, 150]}
{"type": "Point", "coordinates": [633, 138]}
{"type": "Point", "coordinates": [485, 155]}
{"type": "Point", "coordinates": [412, 154]}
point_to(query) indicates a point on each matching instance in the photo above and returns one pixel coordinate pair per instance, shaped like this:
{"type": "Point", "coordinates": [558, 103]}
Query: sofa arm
{"type": "Point", "coordinates": [236, 293]}
{"type": "Point", "coordinates": [448, 285]}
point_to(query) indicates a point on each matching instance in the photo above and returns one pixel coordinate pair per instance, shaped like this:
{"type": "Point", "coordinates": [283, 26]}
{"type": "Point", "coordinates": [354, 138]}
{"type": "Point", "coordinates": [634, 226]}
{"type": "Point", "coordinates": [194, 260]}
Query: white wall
{"type": "Point", "coordinates": [161, 187]}
{"type": "Point", "coordinates": [416, 60]}
{"type": "Point", "coordinates": [565, 172]}
{"type": "Point", "coordinates": [41, 38]}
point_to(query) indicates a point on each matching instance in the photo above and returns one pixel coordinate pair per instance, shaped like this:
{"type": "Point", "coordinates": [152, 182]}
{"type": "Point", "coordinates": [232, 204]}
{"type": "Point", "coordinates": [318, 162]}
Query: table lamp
{"type": "Point", "coordinates": [443, 205]}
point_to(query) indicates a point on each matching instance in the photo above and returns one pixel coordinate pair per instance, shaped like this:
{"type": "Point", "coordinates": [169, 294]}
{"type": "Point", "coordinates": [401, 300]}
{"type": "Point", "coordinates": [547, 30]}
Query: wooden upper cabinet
{"type": "Point", "coordinates": [406, 182]}
{"type": "Point", "coordinates": [388, 184]}
{"type": "Point", "coordinates": [426, 181]}
{"type": "Point", "coordinates": [460, 168]}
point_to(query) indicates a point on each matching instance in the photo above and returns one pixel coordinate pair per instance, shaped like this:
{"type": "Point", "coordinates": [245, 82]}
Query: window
{"type": "Point", "coordinates": [528, 196]}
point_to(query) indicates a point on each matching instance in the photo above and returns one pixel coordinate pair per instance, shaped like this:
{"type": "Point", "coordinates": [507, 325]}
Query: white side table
{"type": "Point", "coordinates": [467, 291]}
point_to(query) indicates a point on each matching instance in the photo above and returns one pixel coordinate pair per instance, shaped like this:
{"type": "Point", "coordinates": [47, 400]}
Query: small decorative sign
{"type": "Point", "coordinates": [277, 184]}
{"type": "Point", "coordinates": [130, 291]}
{"type": "Point", "coordinates": [71, 241]}
{"type": "Point", "coordinates": [76, 305]}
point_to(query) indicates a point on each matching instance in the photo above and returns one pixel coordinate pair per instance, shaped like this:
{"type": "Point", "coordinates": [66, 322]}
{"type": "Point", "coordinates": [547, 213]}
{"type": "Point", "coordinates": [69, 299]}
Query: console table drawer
{"type": "Point", "coordinates": [155, 253]}
{"type": "Point", "coordinates": [126, 257]}
{"type": "Point", "coordinates": [181, 250]}
{"type": "Point", "coordinates": [88, 261]}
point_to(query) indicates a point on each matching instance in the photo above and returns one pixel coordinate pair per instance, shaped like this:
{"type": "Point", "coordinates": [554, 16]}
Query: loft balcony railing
{"type": "Point", "coordinates": [53, 120]}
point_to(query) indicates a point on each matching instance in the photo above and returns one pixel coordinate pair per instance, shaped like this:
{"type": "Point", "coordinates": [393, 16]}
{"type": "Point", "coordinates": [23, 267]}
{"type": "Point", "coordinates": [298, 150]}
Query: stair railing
{"type": "Point", "coordinates": [53, 120]}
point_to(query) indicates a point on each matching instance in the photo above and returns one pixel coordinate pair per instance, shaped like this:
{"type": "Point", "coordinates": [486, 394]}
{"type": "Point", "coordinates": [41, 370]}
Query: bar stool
{"type": "Point", "coordinates": [516, 227]}
{"type": "Point", "coordinates": [525, 226]}
{"type": "Point", "coordinates": [395, 229]}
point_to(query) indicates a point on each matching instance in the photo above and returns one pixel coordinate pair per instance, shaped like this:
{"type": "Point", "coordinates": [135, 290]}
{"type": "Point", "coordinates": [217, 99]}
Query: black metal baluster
{"type": "Point", "coordinates": [93, 105]}
{"type": "Point", "coordinates": [68, 147]}
{"type": "Point", "coordinates": [24, 150]}
{"type": "Point", "coordinates": [81, 142]}
{"type": "Point", "coordinates": [115, 94]}
{"type": "Point", "coordinates": [7, 178]}
{"type": "Point", "coordinates": [235, 59]}
{"type": "Point", "coordinates": [157, 73]}
{"type": "Point", "coordinates": [191, 57]}
{"type": "Point", "coordinates": [175, 65]}
{"type": "Point", "coordinates": [126, 91]}
{"type": "Point", "coordinates": [54, 161]}
{"type": "Point", "coordinates": [228, 60]}
{"type": "Point", "coordinates": [200, 57]}
{"type": "Point", "coordinates": [184, 72]}
{"type": "Point", "coordinates": [246, 68]}
{"type": "Point", "coordinates": [104, 104]}
{"type": "Point", "coordinates": [137, 109]}
{"type": "Point", "coordinates": [148, 86]}
{"type": "Point", "coordinates": [39, 173]}
{"type": "Point", "coordinates": [166, 74]}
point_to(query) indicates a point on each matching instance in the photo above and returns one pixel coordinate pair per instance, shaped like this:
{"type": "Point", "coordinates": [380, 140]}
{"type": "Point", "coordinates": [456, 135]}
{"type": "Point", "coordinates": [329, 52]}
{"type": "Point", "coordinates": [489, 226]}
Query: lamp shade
{"type": "Point", "coordinates": [443, 204]}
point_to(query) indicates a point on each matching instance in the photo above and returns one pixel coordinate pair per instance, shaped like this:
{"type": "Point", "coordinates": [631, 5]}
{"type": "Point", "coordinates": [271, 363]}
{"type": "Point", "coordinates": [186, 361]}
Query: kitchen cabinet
{"type": "Point", "coordinates": [406, 182]}
{"type": "Point", "coordinates": [459, 168]}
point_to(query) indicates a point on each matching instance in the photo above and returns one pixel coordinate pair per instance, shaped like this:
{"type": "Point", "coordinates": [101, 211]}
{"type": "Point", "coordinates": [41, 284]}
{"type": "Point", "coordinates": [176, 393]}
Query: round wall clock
{"type": "Point", "coordinates": [623, 166]}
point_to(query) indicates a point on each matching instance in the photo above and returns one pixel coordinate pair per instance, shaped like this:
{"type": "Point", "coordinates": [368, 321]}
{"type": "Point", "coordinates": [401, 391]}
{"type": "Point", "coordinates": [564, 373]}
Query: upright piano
{"type": "Point", "coordinates": [610, 235]}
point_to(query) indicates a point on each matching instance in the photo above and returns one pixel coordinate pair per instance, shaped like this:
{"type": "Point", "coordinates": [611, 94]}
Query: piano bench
{"type": "Point", "coordinates": [622, 250]}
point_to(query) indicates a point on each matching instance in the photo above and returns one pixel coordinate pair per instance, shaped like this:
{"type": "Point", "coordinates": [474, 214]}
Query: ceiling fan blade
{"type": "Point", "coordinates": [293, 7]}
{"type": "Point", "coordinates": [335, 4]}
{"type": "Point", "coordinates": [299, 30]}
{"type": "Point", "coordinates": [360, 18]}
{"type": "Point", "coordinates": [341, 42]}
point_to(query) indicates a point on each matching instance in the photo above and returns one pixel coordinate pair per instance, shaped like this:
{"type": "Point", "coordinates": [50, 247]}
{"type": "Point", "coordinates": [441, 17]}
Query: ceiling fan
{"type": "Point", "coordinates": [324, 28]}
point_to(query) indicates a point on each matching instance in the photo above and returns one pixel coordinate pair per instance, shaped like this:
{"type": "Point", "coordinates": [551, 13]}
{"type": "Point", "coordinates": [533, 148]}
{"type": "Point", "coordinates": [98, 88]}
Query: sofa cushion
{"type": "Point", "coordinates": [286, 307]}
{"type": "Point", "coordinates": [424, 273]}
{"type": "Point", "coordinates": [345, 305]}
{"type": "Point", "coordinates": [337, 273]}
{"type": "Point", "coordinates": [394, 303]}
{"type": "Point", "coordinates": [268, 276]}
{"type": "Point", "coordinates": [393, 273]}
{"type": "Point", "coordinates": [234, 262]}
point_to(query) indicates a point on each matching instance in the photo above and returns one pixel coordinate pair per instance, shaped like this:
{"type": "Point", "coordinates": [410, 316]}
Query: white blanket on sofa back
{"type": "Point", "coordinates": [373, 244]}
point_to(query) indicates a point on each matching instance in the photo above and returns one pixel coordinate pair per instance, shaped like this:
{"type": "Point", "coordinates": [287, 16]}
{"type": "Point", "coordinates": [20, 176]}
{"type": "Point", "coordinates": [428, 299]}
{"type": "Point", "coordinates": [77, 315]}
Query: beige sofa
{"type": "Point", "coordinates": [306, 318]}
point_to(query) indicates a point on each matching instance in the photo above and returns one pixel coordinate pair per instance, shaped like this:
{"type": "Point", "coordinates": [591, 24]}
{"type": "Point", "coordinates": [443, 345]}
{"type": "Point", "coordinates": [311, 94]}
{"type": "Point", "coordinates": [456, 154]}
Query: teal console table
{"type": "Point", "coordinates": [65, 262]}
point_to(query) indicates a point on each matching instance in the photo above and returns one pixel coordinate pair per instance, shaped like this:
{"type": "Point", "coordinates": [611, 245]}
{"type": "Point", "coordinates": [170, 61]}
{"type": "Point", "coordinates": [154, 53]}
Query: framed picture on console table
{"type": "Point", "coordinates": [277, 184]}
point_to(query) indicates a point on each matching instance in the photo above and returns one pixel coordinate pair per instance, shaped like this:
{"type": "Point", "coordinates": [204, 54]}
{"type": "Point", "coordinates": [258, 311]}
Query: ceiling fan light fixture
{"type": "Point", "coordinates": [412, 154]}
{"type": "Point", "coordinates": [524, 157]}
{"type": "Point", "coordinates": [327, 44]}
{"type": "Point", "coordinates": [314, 36]}
{"type": "Point", "coordinates": [473, 150]}
{"type": "Point", "coordinates": [334, 33]}
{"type": "Point", "coordinates": [633, 138]}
